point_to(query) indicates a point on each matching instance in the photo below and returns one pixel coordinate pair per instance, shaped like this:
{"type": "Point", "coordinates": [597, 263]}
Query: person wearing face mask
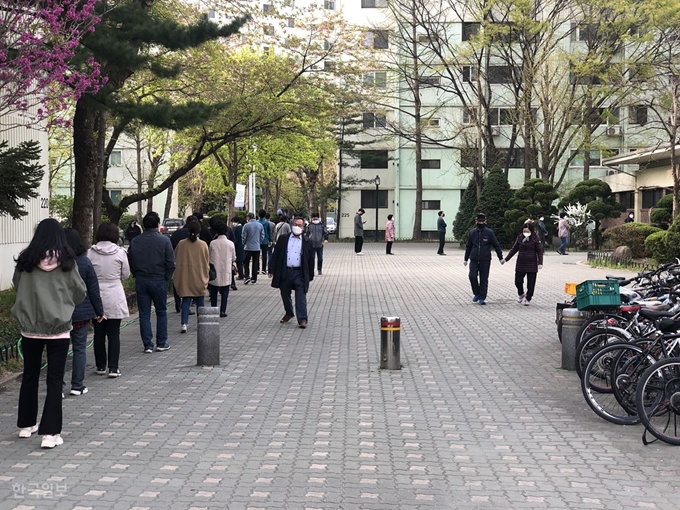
{"type": "Point", "coordinates": [542, 231]}
{"type": "Point", "coordinates": [292, 268]}
{"type": "Point", "coordinates": [478, 250]}
{"type": "Point", "coordinates": [630, 218]}
{"type": "Point", "coordinates": [529, 251]}
{"type": "Point", "coordinates": [441, 230]}
{"type": "Point", "coordinates": [318, 236]}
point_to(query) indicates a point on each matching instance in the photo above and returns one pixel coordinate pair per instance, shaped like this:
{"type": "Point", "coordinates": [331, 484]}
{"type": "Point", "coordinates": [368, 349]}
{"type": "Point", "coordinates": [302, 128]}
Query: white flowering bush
{"type": "Point", "coordinates": [580, 223]}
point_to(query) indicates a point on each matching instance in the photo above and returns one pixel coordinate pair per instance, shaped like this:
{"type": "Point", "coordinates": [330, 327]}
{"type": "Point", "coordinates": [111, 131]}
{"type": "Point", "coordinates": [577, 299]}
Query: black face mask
{"type": "Point", "coordinates": [481, 226]}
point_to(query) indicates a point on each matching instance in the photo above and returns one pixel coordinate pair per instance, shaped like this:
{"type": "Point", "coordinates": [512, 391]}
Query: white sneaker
{"type": "Point", "coordinates": [527, 302]}
{"type": "Point", "coordinates": [27, 431]}
{"type": "Point", "coordinates": [184, 328]}
{"type": "Point", "coordinates": [51, 441]}
{"type": "Point", "coordinates": [520, 299]}
{"type": "Point", "coordinates": [77, 393]}
{"type": "Point", "coordinates": [360, 253]}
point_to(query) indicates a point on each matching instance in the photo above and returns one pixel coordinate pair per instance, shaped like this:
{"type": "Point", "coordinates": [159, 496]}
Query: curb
{"type": "Point", "coordinates": [10, 378]}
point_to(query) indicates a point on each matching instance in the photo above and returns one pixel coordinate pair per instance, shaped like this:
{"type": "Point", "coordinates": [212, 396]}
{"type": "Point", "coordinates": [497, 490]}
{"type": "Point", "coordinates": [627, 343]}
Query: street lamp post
{"type": "Point", "coordinates": [377, 204]}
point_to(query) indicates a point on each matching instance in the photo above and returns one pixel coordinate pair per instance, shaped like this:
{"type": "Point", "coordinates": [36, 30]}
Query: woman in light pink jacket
{"type": "Point", "coordinates": [389, 233]}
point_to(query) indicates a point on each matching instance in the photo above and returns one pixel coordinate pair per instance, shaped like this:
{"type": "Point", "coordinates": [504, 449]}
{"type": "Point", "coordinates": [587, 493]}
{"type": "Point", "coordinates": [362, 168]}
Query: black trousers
{"type": "Point", "coordinates": [255, 257]}
{"type": "Point", "coordinates": [442, 240]}
{"type": "Point", "coordinates": [292, 280]}
{"type": "Point", "coordinates": [358, 244]}
{"type": "Point", "coordinates": [389, 247]}
{"type": "Point", "coordinates": [239, 269]}
{"type": "Point", "coordinates": [479, 277]}
{"type": "Point", "coordinates": [110, 328]}
{"type": "Point", "coordinates": [265, 252]}
{"type": "Point", "coordinates": [32, 348]}
{"type": "Point", "coordinates": [531, 283]}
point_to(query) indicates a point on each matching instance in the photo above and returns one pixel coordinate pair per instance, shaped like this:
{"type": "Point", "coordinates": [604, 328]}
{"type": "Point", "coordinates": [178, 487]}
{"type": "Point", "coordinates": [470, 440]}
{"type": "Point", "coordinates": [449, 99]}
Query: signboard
{"type": "Point", "coordinates": [240, 199]}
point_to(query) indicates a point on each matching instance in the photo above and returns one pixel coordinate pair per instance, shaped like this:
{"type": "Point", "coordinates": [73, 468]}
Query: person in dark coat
{"type": "Point", "coordinates": [132, 231]}
{"type": "Point", "coordinates": [529, 249]}
{"type": "Point", "coordinates": [206, 236]}
{"type": "Point", "coordinates": [240, 250]}
{"type": "Point", "coordinates": [292, 267]}
{"type": "Point", "coordinates": [478, 250]}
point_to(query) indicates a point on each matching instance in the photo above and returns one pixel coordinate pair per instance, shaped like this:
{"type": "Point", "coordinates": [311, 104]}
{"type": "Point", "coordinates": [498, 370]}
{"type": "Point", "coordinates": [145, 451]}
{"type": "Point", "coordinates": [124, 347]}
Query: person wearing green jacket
{"type": "Point", "coordinates": [48, 288]}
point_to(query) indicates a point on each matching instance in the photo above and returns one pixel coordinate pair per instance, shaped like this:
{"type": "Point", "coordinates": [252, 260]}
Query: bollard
{"type": "Point", "coordinates": [390, 330]}
{"type": "Point", "coordinates": [572, 320]}
{"type": "Point", "coordinates": [208, 336]}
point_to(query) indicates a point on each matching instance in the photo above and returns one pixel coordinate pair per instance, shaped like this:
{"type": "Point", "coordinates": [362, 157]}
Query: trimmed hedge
{"type": "Point", "coordinates": [632, 235]}
{"type": "Point", "coordinates": [663, 246]}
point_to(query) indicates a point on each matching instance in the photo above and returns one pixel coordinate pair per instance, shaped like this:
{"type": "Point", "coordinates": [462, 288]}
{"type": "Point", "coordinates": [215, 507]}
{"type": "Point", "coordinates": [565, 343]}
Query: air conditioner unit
{"type": "Point", "coordinates": [613, 130]}
{"type": "Point", "coordinates": [495, 131]}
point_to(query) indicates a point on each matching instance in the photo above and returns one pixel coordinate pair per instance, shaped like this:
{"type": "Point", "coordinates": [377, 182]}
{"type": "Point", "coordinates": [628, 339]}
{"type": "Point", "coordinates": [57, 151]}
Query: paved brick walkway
{"type": "Point", "coordinates": [480, 416]}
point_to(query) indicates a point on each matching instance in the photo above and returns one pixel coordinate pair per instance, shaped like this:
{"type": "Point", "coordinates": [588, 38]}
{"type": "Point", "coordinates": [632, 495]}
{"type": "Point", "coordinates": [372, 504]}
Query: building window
{"type": "Point", "coordinates": [650, 197]}
{"type": "Point", "coordinates": [469, 74]}
{"type": "Point", "coordinates": [469, 157]}
{"type": "Point", "coordinates": [373, 159]}
{"type": "Point", "coordinates": [499, 74]}
{"type": "Point", "coordinates": [267, 8]}
{"type": "Point", "coordinates": [373, 4]}
{"type": "Point", "coordinates": [627, 198]}
{"type": "Point", "coordinates": [328, 65]}
{"type": "Point", "coordinates": [368, 199]}
{"type": "Point", "coordinates": [116, 158]}
{"type": "Point", "coordinates": [374, 120]}
{"type": "Point", "coordinates": [290, 22]}
{"type": "Point", "coordinates": [513, 158]}
{"type": "Point", "coordinates": [431, 163]}
{"type": "Point", "coordinates": [429, 81]}
{"type": "Point", "coordinates": [115, 195]}
{"type": "Point", "coordinates": [431, 205]}
{"type": "Point", "coordinates": [594, 158]}
{"type": "Point", "coordinates": [376, 79]}
{"type": "Point", "coordinates": [470, 29]}
{"type": "Point", "coordinates": [432, 122]}
{"type": "Point", "coordinates": [329, 5]}
{"type": "Point", "coordinates": [269, 30]}
{"type": "Point", "coordinates": [637, 115]}
{"type": "Point", "coordinates": [327, 45]}
{"type": "Point", "coordinates": [212, 14]}
{"type": "Point", "coordinates": [377, 39]}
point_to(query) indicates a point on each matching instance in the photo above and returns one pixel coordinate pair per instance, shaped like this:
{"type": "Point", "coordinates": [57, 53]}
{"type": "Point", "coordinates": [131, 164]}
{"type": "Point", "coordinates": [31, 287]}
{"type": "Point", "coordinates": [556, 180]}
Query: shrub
{"type": "Point", "coordinates": [465, 217]}
{"type": "Point", "coordinates": [632, 235]}
{"type": "Point", "coordinates": [662, 218]}
{"type": "Point", "coordinates": [496, 194]}
{"type": "Point", "coordinates": [663, 246]}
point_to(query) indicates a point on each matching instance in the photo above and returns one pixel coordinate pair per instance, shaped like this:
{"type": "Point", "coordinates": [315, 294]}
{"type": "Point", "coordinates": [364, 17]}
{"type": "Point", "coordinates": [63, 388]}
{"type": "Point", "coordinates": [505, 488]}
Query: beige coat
{"type": "Point", "coordinates": [111, 265]}
{"type": "Point", "coordinates": [222, 256]}
{"type": "Point", "coordinates": [191, 274]}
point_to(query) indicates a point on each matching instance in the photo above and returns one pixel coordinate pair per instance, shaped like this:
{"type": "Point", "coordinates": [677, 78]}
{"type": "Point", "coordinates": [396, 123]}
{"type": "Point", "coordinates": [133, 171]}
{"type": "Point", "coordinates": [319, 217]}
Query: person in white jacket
{"type": "Point", "coordinates": [223, 259]}
{"type": "Point", "coordinates": [111, 265]}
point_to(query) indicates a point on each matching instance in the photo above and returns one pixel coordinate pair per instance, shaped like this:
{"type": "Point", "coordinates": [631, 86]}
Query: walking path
{"type": "Point", "coordinates": [480, 416]}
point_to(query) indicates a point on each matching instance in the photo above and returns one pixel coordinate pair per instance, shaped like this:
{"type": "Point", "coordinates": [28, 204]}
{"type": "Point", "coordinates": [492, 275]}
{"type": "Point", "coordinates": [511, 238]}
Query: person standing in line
{"type": "Point", "coordinates": [389, 233]}
{"type": "Point", "coordinates": [132, 231]}
{"type": "Point", "coordinates": [563, 233]}
{"type": "Point", "coordinates": [192, 273]}
{"type": "Point", "coordinates": [272, 226]}
{"type": "Point", "coordinates": [293, 268]}
{"type": "Point", "coordinates": [318, 236]}
{"type": "Point", "coordinates": [359, 232]}
{"type": "Point", "coordinates": [630, 218]}
{"type": "Point", "coordinates": [441, 230]}
{"type": "Point", "coordinates": [529, 249]}
{"type": "Point", "coordinates": [48, 288]}
{"type": "Point", "coordinates": [252, 236]}
{"type": "Point", "coordinates": [223, 259]}
{"type": "Point", "coordinates": [206, 236]}
{"type": "Point", "coordinates": [111, 265]}
{"type": "Point", "coordinates": [152, 262]}
{"type": "Point", "coordinates": [175, 238]}
{"type": "Point", "coordinates": [240, 252]}
{"type": "Point", "coordinates": [282, 228]}
{"type": "Point", "coordinates": [267, 241]}
{"type": "Point", "coordinates": [88, 309]}
{"type": "Point", "coordinates": [542, 232]}
{"type": "Point", "coordinates": [478, 250]}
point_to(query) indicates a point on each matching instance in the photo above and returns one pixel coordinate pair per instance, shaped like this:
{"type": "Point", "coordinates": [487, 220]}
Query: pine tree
{"type": "Point", "coordinates": [496, 194]}
{"type": "Point", "coordinates": [535, 198]}
{"type": "Point", "coordinates": [20, 176]}
{"type": "Point", "coordinates": [465, 217]}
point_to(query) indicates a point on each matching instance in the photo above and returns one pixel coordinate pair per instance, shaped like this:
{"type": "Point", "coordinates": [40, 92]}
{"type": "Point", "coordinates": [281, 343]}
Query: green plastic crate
{"type": "Point", "coordinates": [595, 294]}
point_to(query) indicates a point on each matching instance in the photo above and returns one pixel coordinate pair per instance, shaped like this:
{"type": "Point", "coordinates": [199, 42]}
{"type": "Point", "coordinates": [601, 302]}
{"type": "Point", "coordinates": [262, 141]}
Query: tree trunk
{"type": "Point", "coordinates": [168, 201]}
{"type": "Point", "coordinates": [86, 163]}
{"type": "Point", "coordinates": [99, 169]}
{"type": "Point", "coordinates": [418, 220]}
{"type": "Point", "coordinates": [140, 177]}
{"type": "Point", "coordinates": [340, 163]}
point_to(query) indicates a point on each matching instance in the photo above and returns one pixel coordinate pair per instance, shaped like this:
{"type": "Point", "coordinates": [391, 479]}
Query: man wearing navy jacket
{"type": "Point", "coordinates": [478, 250]}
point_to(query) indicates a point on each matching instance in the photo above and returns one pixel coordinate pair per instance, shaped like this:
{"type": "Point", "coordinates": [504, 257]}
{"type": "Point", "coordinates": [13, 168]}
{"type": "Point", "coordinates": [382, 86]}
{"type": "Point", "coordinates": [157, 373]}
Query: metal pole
{"type": "Point", "coordinates": [377, 204]}
{"type": "Point", "coordinates": [572, 319]}
{"type": "Point", "coordinates": [390, 343]}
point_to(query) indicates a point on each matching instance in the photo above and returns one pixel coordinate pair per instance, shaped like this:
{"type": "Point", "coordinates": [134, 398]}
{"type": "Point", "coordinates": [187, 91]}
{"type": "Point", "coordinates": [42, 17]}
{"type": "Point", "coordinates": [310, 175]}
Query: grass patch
{"type": "Point", "coordinates": [624, 265]}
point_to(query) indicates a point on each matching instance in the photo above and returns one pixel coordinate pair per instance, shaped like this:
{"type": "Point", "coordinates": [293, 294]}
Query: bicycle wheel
{"type": "Point", "coordinates": [658, 400]}
{"type": "Point", "coordinates": [626, 372]}
{"type": "Point", "coordinates": [591, 343]}
{"type": "Point", "coordinates": [600, 321]}
{"type": "Point", "coordinates": [600, 376]}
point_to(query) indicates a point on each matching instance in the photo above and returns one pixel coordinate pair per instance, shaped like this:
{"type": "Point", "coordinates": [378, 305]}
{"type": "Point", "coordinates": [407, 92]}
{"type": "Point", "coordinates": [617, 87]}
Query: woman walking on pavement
{"type": "Point", "coordinates": [389, 233]}
{"type": "Point", "coordinates": [89, 308]}
{"type": "Point", "coordinates": [48, 288]}
{"type": "Point", "coordinates": [111, 265]}
{"type": "Point", "coordinates": [529, 251]}
{"type": "Point", "coordinates": [223, 259]}
{"type": "Point", "coordinates": [192, 260]}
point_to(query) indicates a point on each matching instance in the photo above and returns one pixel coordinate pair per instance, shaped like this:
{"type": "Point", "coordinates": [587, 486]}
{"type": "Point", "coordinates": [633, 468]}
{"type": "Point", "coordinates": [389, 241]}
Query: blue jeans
{"type": "Point", "coordinates": [79, 344]}
{"type": "Point", "coordinates": [224, 293]}
{"type": "Point", "coordinates": [319, 257]}
{"type": "Point", "coordinates": [186, 304]}
{"type": "Point", "coordinates": [149, 291]}
{"type": "Point", "coordinates": [563, 245]}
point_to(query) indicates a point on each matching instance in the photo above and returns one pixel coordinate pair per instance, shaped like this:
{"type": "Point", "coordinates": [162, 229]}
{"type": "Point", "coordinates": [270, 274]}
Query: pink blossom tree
{"type": "Point", "coordinates": [38, 42]}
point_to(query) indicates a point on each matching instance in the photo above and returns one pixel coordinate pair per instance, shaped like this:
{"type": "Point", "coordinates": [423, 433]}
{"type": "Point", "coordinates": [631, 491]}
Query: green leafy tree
{"type": "Point", "coordinates": [465, 217]}
{"type": "Point", "coordinates": [496, 194]}
{"type": "Point", "coordinates": [20, 176]}
{"type": "Point", "coordinates": [536, 198]}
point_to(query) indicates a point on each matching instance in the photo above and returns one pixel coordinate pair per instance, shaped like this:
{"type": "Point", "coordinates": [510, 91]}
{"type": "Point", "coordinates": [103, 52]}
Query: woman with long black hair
{"type": "Point", "coordinates": [48, 288]}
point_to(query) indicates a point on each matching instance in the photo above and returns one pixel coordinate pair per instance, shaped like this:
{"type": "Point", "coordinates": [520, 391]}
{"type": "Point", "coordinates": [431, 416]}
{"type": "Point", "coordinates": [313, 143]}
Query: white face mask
{"type": "Point", "coordinates": [316, 222]}
{"type": "Point", "coordinates": [296, 230]}
{"type": "Point", "coordinates": [526, 234]}
{"type": "Point", "coordinates": [541, 218]}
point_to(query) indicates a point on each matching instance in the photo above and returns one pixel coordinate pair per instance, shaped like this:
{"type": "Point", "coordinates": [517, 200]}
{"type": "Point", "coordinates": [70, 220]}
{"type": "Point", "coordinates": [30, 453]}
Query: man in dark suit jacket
{"type": "Point", "coordinates": [292, 267]}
